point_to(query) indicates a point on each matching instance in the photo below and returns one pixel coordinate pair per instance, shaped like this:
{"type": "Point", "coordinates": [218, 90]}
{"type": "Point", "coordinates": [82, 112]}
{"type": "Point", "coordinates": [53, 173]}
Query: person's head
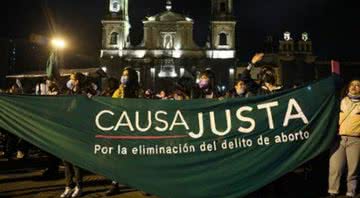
{"type": "Point", "coordinates": [179, 95]}
{"type": "Point", "coordinates": [75, 79]}
{"type": "Point", "coordinates": [148, 93]}
{"type": "Point", "coordinates": [162, 94]}
{"type": "Point", "coordinates": [240, 87]}
{"type": "Point", "coordinates": [207, 79]}
{"type": "Point", "coordinates": [129, 76]}
{"type": "Point", "coordinates": [14, 89]}
{"type": "Point", "coordinates": [354, 87]}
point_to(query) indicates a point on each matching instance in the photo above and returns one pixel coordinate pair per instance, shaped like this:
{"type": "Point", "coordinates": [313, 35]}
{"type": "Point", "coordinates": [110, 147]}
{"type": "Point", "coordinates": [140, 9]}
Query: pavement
{"type": "Point", "coordinates": [23, 179]}
{"type": "Point", "coordinates": [28, 183]}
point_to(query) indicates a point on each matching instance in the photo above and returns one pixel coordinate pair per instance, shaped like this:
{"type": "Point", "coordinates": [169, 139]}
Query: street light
{"type": "Point", "coordinates": [58, 43]}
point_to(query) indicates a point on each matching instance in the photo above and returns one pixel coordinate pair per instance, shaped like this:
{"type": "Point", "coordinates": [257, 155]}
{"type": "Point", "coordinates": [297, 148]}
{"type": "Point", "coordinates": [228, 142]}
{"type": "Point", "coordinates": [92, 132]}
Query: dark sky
{"type": "Point", "coordinates": [333, 25]}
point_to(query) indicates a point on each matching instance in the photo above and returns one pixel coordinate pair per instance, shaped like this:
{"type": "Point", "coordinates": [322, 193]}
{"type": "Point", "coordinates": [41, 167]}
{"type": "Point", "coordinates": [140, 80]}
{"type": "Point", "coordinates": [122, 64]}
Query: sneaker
{"type": "Point", "coordinates": [66, 193]}
{"type": "Point", "coordinates": [114, 190]}
{"type": "Point", "coordinates": [77, 192]}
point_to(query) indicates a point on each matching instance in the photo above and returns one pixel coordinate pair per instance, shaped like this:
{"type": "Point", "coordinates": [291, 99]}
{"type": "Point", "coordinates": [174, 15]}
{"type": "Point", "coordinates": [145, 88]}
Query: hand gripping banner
{"type": "Point", "coordinates": [198, 148]}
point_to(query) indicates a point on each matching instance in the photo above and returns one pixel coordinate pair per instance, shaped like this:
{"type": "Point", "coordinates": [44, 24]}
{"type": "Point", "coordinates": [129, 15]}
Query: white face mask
{"type": "Point", "coordinates": [70, 84]}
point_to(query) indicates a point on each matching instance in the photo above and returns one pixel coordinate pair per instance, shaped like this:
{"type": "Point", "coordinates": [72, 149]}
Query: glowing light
{"type": "Point", "coordinates": [287, 36]}
{"type": "Point", "coordinates": [151, 18]}
{"type": "Point", "coordinates": [58, 43]}
{"type": "Point", "coordinates": [139, 75]}
{"type": "Point", "coordinates": [231, 71]}
{"type": "Point", "coordinates": [168, 5]}
{"type": "Point", "coordinates": [152, 71]}
{"type": "Point", "coordinates": [104, 69]}
{"type": "Point", "coordinates": [221, 54]}
{"type": "Point", "coordinates": [140, 53]}
{"type": "Point", "coordinates": [177, 53]}
{"type": "Point", "coordinates": [305, 36]}
{"type": "Point", "coordinates": [182, 71]}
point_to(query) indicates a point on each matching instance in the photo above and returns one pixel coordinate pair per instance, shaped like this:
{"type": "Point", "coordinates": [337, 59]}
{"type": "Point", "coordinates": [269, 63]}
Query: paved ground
{"type": "Point", "coordinates": [22, 179]}
{"type": "Point", "coordinates": [28, 183]}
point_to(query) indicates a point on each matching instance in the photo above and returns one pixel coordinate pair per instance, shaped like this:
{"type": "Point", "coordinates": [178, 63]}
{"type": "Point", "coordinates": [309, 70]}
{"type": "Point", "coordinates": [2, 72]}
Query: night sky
{"type": "Point", "coordinates": [333, 25]}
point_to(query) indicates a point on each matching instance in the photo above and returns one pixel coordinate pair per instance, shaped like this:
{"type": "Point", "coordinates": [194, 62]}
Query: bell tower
{"type": "Point", "coordinates": [116, 26]}
{"type": "Point", "coordinates": [222, 25]}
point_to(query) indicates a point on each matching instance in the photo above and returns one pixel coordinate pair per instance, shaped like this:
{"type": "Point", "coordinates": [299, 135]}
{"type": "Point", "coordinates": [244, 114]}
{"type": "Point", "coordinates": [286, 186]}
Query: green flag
{"type": "Point", "coordinates": [52, 66]}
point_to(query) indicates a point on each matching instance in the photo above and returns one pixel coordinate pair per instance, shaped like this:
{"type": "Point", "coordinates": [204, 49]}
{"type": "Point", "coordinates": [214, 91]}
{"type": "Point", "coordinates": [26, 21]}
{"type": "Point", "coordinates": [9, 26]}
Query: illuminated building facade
{"type": "Point", "coordinates": [168, 51]}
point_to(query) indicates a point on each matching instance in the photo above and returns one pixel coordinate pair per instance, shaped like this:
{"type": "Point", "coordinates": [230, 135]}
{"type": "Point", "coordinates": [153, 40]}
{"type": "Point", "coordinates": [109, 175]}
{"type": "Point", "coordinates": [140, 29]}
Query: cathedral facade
{"type": "Point", "coordinates": [168, 51]}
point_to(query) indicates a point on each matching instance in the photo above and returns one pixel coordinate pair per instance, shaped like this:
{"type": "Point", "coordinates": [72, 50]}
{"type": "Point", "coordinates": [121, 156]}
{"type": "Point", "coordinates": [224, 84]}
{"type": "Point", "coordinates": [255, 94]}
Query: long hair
{"type": "Point", "coordinates": [212, 79]}
{"type": "Point", "coordinates": [132, 87]}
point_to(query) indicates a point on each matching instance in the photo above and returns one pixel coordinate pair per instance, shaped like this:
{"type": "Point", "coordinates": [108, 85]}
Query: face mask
{"type": "Point", "coordinates": [70, 84]}
{"type": "Point", "coordinates": [203, 83]}
{"type": "Point", "coordinates": [124, 80]}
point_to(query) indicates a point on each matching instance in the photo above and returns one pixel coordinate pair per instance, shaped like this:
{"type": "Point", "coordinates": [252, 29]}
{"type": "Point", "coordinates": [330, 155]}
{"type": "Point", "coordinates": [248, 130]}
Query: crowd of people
{"type": "Point", "coordinates": [345, 153]}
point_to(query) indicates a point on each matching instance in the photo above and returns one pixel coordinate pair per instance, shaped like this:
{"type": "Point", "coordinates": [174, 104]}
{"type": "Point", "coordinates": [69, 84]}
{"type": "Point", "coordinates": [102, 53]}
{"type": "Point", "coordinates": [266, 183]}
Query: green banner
{"type": "Point", "coordinates": [198, 148]}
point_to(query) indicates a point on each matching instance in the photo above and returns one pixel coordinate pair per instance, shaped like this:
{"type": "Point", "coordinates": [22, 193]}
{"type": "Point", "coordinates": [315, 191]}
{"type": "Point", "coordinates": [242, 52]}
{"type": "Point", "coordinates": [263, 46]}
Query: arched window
{"type": "Point", "coordinates": [114, 38]}
{"type": "Point", "coordinates": [222, 39]}
{"type": "Point", "coordinates": [222, 7]}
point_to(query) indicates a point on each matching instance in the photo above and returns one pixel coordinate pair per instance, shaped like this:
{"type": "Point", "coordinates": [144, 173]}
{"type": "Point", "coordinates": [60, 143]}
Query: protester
{"type": "Point", "coordinates": [161, 95]}
{"type": "Point", "coordinates": [346, 152]}
{"type": "Point", "coordinates": [129, 88]}
{"type": "Point", "coordinates": [240, 90]}
{"type": "Point", "coordinates": [148, 94]}
{"type": "Point", "coordinates": [206, 88]}
{"type": "Point", "coordinates": [267, 78]}
{"type": "Point", "coordinates": [129, 85]}
{"type": "Point", "coordinates": [74, 174]}
{"type": "Point", "coordinates": [268, 81]}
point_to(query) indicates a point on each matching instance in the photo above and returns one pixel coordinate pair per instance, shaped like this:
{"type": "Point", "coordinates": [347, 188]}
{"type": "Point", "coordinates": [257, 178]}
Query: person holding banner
{"type": "Point", "coordinates": [72, 171]}
{"type": "Point", "coordinates": [129, 88]}
{"type": "Point", "coordinates": [346, 152]}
